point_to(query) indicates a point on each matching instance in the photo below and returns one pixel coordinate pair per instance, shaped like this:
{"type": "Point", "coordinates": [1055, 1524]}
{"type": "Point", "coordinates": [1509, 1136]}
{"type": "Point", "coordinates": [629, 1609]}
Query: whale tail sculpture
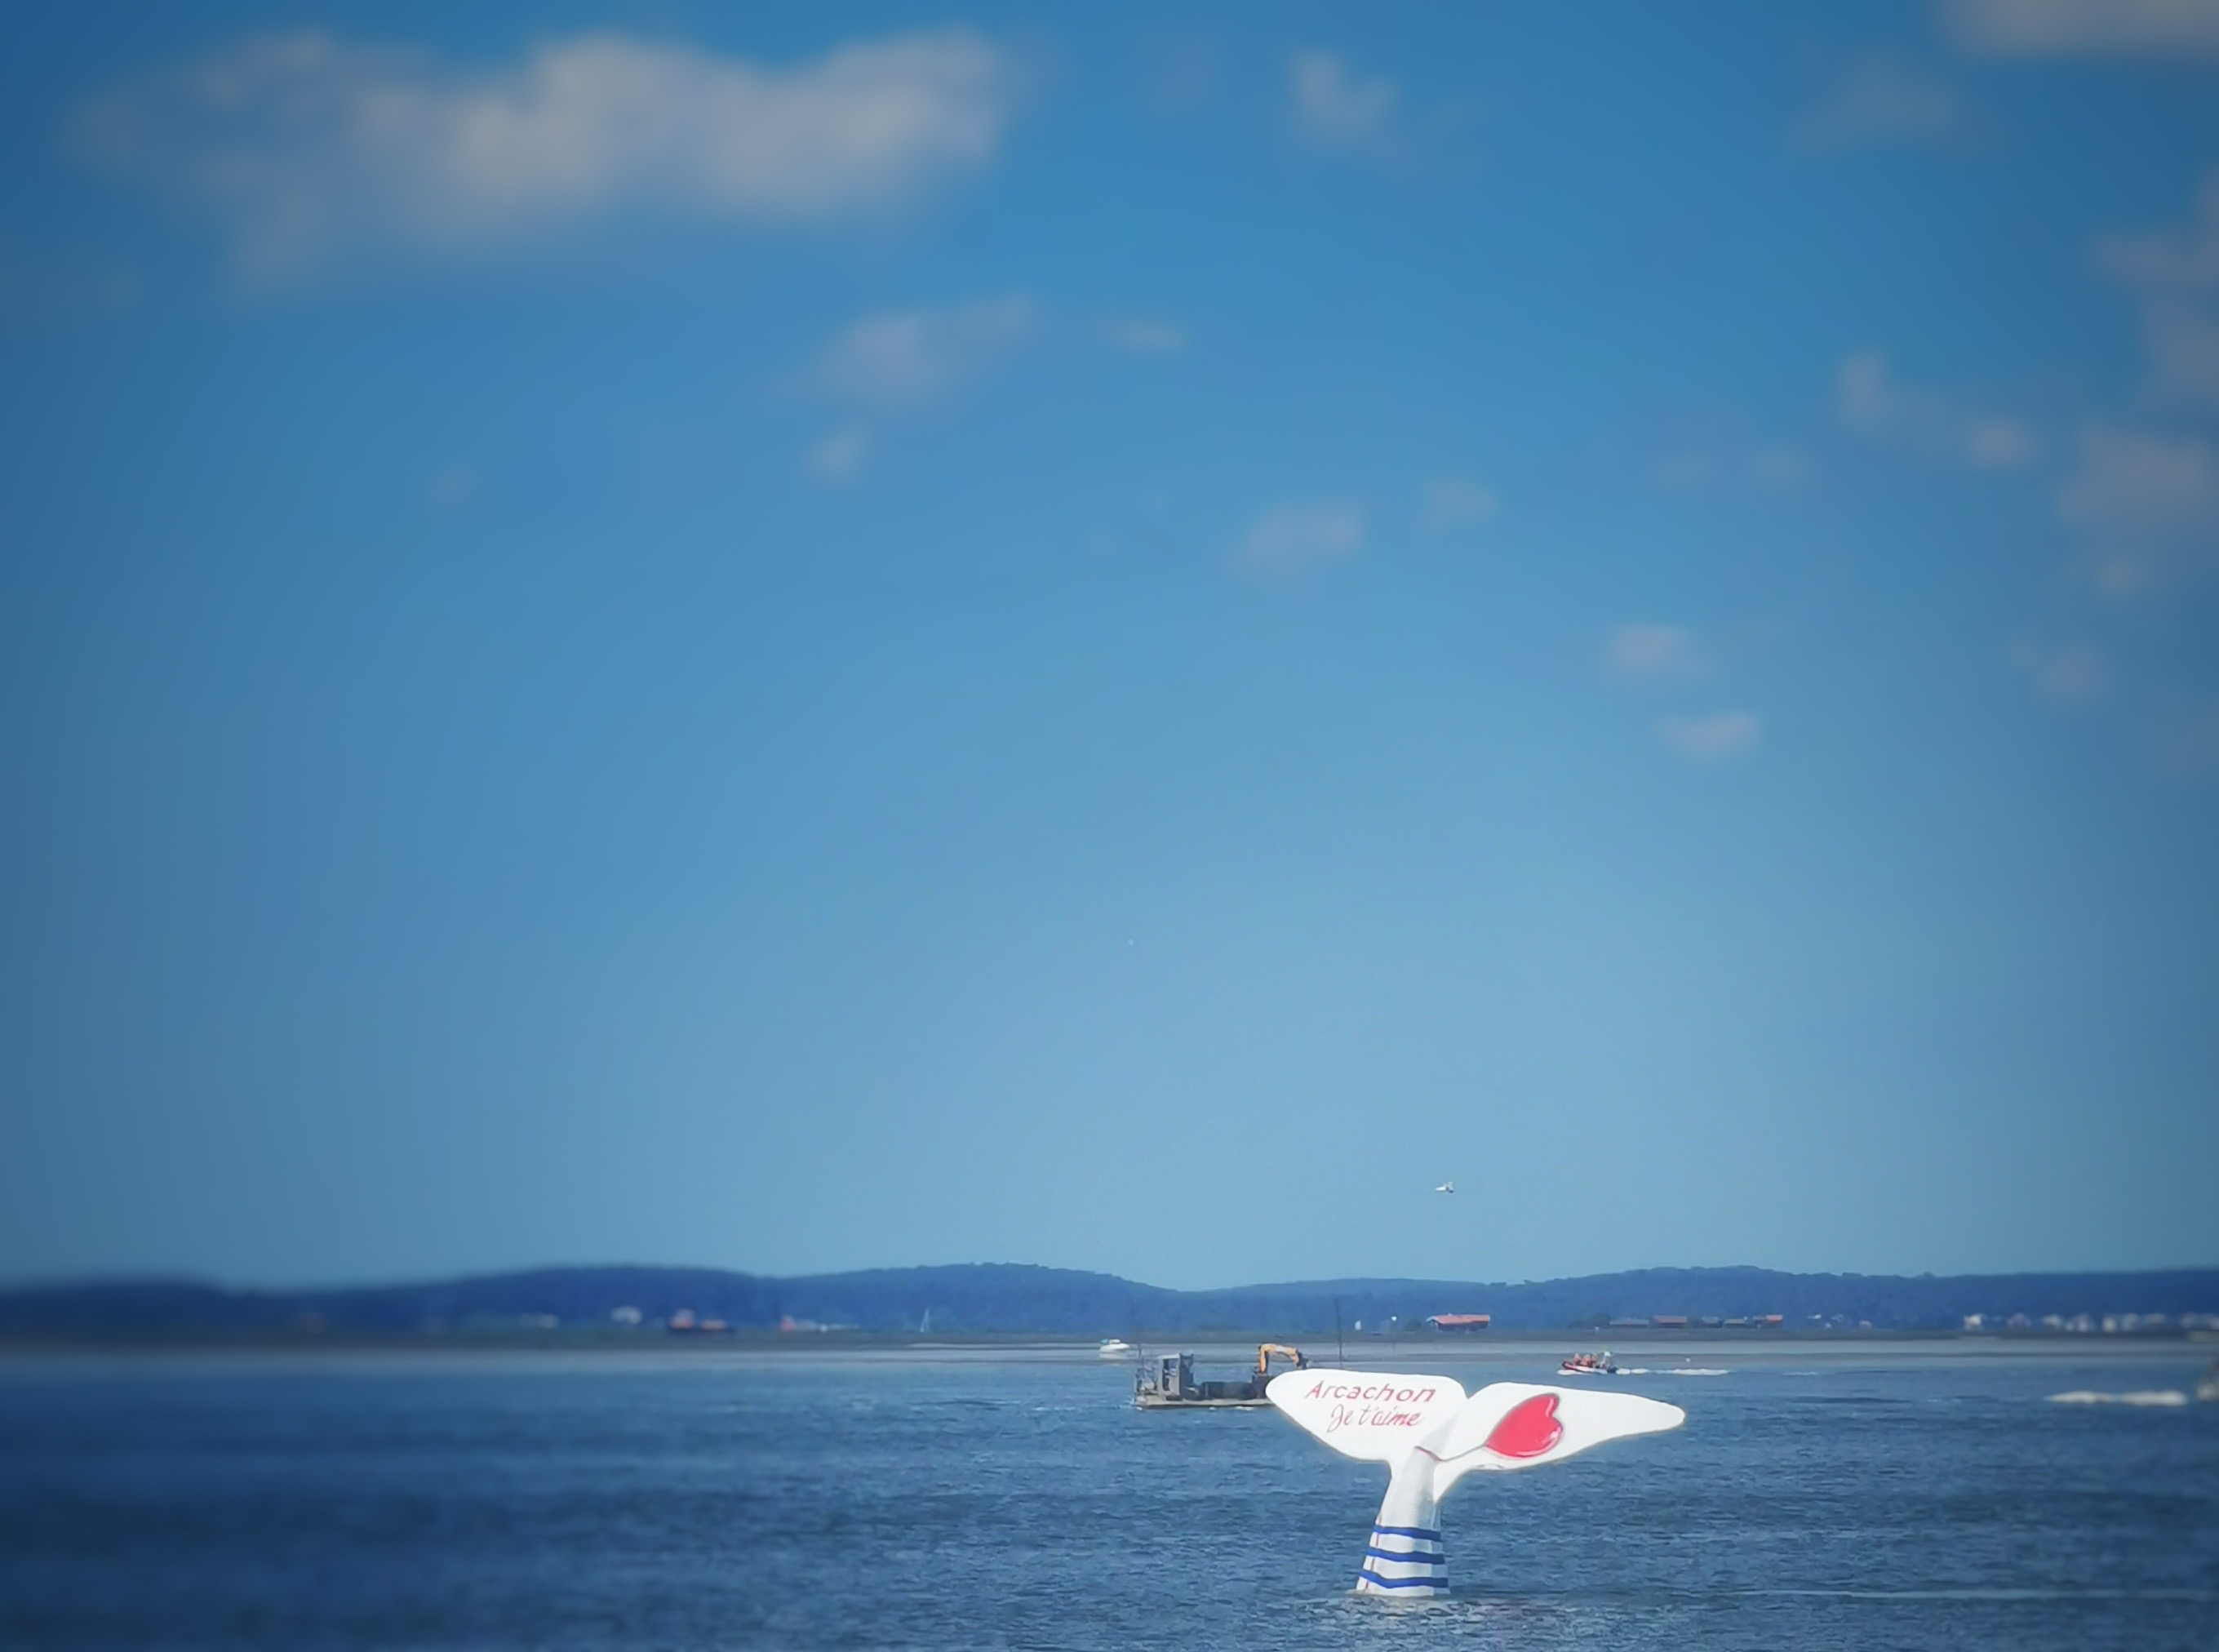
{"type": "Point", "coordinates": [1431, 1434]}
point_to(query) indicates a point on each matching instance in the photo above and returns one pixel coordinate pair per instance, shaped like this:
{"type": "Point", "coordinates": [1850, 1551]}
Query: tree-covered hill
{"type": "Point", "coordinates": [1010, 1298]}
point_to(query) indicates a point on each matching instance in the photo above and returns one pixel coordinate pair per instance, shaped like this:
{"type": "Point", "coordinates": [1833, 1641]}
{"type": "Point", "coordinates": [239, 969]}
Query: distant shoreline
{"type": "Point", "coordinates": [1000, 1304]}
{"type": "Point", "coordinates": [1367, 1350]}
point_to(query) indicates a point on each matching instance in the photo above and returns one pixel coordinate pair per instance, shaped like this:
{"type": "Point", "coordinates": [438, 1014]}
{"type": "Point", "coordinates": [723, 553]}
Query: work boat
{"type": "Point", "coordinates": [1599, 1364]}
{"type": "Point", "coordinates": [1168, 1382]}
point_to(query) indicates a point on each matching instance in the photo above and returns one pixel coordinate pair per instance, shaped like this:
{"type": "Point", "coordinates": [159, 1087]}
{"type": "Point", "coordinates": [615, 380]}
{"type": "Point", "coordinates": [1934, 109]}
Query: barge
{"type": "Point", "coordinates": [1167, 1383]}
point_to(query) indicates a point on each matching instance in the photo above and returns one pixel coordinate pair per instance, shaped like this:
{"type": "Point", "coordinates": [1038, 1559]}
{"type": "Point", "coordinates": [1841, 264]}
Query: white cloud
{"type": "Point", "coordinates": [452, 487]}
{"type": "Point", "coordinates": [2175, 275]}
{"type": "Point", "coordinates": [47, 284]}
{"type": "Point", "coordinates": [901, 358]}
{"type": "Point", "coordinates": [2183, 340]}
{"type": "Point", "coordinates": [2148, 505]}
{"type": "Point", "coordinates": [1882, 100]}
{"type": "Point", "coordinates": [1684, 467]}
{"type": "Point", "coordinates": [1725, 460]}
{"type": "Point", "coordinates": [2141, 485]}
{"type": "Point", "coordinates": [1714, 739]}
{"type": "Point", "coordinates": [1872, 401]}
{"type": "Point", "coordinates": [1334, 104]}
{"type": "Point", "coordinates": [2070, 672]}
{"type": "Point", "coordinates": [1779, 467]}
{"type": "Point", "coordinates": [2188, 741]}
{"type": "Point", "coordinates": [1295, 538]}
{"type": "Point", "coordinates": [2087, 28]}
{"type": "Point", "coordinates": [309, 148]}
{"type": "Point", "coordinates": [840, 454]}
{"type": "Point", "coordinates": [1142, 335]}
{"type": "Point", "coordinates": [1458, 502]}
{"type": "Point", "coordinates": [2186, 258]}
{"type": "Point", "coordinates": [1655, 651]}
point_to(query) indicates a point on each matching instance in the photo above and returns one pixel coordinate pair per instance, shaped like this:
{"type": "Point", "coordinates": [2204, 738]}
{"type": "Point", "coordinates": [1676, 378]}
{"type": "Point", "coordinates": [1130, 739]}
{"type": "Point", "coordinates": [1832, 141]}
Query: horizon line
{"type": "Point", "coordinates": [110, 1281]}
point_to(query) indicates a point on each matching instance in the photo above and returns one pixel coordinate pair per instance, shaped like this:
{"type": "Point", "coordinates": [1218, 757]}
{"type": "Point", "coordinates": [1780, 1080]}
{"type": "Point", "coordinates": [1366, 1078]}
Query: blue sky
{"type": "Point", "coordinates": [797, 640]}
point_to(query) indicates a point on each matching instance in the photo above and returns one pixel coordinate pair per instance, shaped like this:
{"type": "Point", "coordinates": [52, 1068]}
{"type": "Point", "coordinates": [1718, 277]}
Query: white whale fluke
{"type": "Point", "coordinates": [1430, 1435]}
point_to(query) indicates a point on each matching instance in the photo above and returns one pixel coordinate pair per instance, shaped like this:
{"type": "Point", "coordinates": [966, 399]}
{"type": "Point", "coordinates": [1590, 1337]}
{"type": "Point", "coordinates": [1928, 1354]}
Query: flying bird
{"type": "Point", "coordinates": [1446, 1187]}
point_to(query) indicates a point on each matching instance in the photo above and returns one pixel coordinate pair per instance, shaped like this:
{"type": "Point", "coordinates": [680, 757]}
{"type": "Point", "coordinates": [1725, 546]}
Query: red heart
{"type": "Point", "coordinates": [1527, 1429]}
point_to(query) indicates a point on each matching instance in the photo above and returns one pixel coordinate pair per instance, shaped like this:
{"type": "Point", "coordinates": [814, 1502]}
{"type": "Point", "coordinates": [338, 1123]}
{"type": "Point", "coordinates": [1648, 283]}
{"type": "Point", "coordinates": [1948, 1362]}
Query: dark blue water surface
{"type": "Point", "coordinates": [1885, 1498]}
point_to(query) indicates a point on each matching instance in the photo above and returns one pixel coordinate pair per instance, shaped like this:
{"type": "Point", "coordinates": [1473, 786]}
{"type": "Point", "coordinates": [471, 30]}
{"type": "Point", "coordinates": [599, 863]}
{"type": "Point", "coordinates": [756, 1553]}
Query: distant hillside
{"type": "Point", "coordinates": [1017, 1299]}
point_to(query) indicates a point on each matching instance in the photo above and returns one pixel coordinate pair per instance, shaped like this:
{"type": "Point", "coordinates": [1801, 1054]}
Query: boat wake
{"type": "Point", "coordinates": [2136, 1397]}
{"type": "Point", "coordinates": [1671, 1370]}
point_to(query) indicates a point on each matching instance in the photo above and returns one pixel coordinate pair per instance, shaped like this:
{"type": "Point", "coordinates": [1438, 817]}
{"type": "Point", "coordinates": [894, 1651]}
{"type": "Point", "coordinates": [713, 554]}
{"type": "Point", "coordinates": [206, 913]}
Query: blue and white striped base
{"type": "Point", "coordinates": [1404, 1560]}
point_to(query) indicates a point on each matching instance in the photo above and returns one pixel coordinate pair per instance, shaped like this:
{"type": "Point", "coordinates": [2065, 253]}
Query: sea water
{"type": "Point", "coordinates": [1877, 1496]}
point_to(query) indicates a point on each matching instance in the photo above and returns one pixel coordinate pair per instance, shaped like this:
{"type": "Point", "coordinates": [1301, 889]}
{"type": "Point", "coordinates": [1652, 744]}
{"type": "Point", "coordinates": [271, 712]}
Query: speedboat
{"type": "Point", "coordinates": [1114, 1348]}
{"type": "Point", "coordinates": [1599, 1364]}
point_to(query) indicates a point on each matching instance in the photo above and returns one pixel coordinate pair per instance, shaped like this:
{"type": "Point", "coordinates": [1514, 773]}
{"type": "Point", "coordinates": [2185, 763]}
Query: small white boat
{"type": "Point", "coordinates": [1114, 1348]}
